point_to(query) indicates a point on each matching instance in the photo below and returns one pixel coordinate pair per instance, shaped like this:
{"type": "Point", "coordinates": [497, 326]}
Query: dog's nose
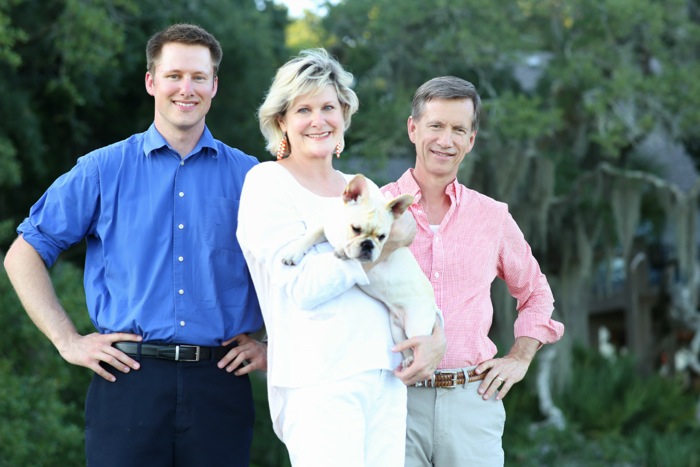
{"type": "Point", "coordinates": [367, 245]}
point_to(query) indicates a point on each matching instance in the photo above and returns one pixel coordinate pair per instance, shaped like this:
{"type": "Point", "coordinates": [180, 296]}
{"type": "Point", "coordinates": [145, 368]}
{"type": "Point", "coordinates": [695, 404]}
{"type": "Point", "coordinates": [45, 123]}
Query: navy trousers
{"type": "Point", "coordinates": [169, 414]}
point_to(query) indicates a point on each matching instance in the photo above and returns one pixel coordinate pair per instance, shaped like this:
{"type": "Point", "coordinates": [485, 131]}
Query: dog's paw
{"type": "Point", "coordinates": [292, 256]}
{"type": "Point", "coordinates": [290, 260]}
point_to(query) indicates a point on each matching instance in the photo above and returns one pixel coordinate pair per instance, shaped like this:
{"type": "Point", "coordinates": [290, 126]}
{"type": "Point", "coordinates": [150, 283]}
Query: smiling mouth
{"type": "Point", "coordinates": [186, 105]}
{"type": "Point", "coordinates": [319, 136]}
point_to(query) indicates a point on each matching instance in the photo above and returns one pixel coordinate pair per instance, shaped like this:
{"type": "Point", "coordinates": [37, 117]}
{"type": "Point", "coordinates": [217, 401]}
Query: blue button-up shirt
{"type": "Point", "coordinates": [162, 257]}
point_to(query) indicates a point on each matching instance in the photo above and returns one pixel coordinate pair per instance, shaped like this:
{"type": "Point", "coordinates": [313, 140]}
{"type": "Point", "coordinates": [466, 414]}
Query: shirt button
{"type": "Point", "coordinates": [182, 323]}
{"type": "Point", "coordinates": [182, 193]}
{"type": "Point", "coordinates": [181, 292]}
{"type": "Point", "coordinates": [181, 226]}
{"type": "Point", "coordinates": [182, 162]}
{"type": "Point", "coordinates": [437, 275]}
{"type": "Point", "coordinates": [180, 259]}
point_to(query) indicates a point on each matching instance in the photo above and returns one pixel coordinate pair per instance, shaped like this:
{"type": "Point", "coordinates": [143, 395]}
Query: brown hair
{"type": "Point", "coordinates": [182, 33]}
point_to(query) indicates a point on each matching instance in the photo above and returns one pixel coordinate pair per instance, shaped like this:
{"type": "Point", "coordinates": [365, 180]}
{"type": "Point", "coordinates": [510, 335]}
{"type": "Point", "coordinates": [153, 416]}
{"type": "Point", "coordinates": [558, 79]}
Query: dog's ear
{"type": "Point", "coordinates": [398, 205]}
{"type": "Point", "coordinates": [356, 189]}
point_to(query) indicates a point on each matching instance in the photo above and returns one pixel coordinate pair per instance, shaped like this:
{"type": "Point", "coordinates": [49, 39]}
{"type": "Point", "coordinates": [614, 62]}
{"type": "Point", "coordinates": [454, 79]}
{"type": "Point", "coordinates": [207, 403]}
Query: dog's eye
{"type": "Point", "coordinates": [356, 230]}
{"type": "Point", "coordinates": [381, 237]}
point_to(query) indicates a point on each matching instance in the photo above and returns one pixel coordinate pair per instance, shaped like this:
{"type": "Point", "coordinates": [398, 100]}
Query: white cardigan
{"type": "Point", "coordinates": [321, 327]}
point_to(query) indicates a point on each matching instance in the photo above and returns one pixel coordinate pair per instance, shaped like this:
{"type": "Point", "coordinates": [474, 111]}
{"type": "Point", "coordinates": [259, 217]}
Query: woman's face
{"type": "Point", "coordinates": [314, 124]}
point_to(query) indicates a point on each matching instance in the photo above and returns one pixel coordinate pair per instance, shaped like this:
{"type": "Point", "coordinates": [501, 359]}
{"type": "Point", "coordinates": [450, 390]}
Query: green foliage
{"type": "Point", "coordinates": [614, 417]}
{"type": "Point", "coordinates": [519, 118]}
{"type": "Point", "coordinates": [600, 76]}
{"type": "Point", "coordinates": [42, 396]}
{"type": "Point", "coordinates": [37, 426]}
{"type": "Point", "coordinates": [9, 35]}
{"type": "Point", "coordinates": [76, 71]}
{"type": "Point", "coordinates": [253, 50]}
{"type": "Point", "coordinates": [658, 403]}
{"type": "Point", "coordinates": [568, 87]}
{"type": "Point", "coordinates": [305, 33]}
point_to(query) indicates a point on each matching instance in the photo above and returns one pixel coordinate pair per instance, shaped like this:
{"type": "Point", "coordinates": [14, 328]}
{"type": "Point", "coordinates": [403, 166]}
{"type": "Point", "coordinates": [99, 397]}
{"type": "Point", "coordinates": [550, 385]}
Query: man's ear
{"type": "Point", "coordinates": [215, 86]}
{"type": "Point", "coordinates": [149, 84]}
{"type": "Point", "coordinates": [472, 140]}
{"type": "Point", "coordinates": [411, 126]}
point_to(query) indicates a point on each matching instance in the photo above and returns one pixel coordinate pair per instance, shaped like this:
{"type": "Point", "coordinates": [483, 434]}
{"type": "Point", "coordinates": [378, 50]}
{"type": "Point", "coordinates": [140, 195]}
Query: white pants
{"type": "Point", "coordinates": [454, 427]}
{"type": "Point", "coordinates": [355, 422]}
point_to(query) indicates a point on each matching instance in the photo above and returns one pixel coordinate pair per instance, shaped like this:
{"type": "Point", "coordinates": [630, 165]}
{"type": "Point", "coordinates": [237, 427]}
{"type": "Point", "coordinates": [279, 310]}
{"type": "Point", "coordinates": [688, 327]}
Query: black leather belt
{"type": "Point", "coordinates": [175, 352]}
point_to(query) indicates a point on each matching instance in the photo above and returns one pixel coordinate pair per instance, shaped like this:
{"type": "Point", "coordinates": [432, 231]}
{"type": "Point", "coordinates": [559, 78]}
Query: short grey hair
{"type": "Point", "coordinates": [308, 73]}
{"type": "Point", "coordinates": [446, 88]}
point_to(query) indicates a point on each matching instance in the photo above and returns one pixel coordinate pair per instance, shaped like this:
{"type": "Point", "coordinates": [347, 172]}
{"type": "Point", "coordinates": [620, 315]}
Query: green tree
{"type": "Point", "coordinates": [42, 397]}
{"type": "Point", "coordinates": [66, 53]}
{"type": "Point", "coordinates": [9, 62]}
{"type": "Point", "coordinates": [76, 71]}
{"type": "Point", "coordinates": [75, 75]}
{"type": "Point", "coordinates": [571, 91]}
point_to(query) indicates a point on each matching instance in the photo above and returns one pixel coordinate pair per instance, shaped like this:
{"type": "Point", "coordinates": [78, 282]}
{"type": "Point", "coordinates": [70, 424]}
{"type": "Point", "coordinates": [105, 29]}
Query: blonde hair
{"type": "Point", "coordinates": [308, 73]}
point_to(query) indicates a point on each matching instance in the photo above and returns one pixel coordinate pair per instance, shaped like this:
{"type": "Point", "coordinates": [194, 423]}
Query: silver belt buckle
{"type": "Point", "coordinates": [426, 383]}
{"type": "Point", "coordinates": [196, 353]}
{"type": "Point", "coordinates": [453, 373]}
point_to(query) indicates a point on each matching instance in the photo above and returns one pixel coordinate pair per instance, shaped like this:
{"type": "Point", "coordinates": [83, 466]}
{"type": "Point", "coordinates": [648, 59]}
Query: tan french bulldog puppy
{"type": "Point", "coordinates": [359, 229]}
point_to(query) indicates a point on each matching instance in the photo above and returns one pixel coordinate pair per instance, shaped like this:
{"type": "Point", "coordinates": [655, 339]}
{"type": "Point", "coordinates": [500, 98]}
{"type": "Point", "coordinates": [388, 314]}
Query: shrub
{"type": "Point", "coordinates": [41, 396]}
{"type": "Point", "coordinates": [614, 417]}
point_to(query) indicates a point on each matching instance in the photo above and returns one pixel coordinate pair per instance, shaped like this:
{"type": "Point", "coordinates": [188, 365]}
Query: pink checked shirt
{"type": "Point", "coordinates": [477, 241]}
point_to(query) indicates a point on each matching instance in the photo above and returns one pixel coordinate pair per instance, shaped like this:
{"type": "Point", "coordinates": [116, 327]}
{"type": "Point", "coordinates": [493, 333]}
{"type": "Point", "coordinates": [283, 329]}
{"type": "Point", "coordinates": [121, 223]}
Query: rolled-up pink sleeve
{"type": "Point", "coordinates": [528, 285]}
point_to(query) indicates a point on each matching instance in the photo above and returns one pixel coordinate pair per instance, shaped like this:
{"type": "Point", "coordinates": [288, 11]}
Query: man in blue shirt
{"type": "Point", "coordinates": [166, 283]}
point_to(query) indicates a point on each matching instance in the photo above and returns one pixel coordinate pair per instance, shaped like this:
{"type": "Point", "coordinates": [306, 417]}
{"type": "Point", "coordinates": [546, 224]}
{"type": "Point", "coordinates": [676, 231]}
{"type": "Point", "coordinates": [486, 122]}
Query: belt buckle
{"type": "Point", "coordinates": [426, 383]}
{"type": "Point", "coordinates": [453, 383]}
{"type": "Point", "coordinates": [177, 353]}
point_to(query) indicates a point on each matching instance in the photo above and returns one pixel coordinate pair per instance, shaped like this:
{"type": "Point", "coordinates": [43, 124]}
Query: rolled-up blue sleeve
{"type": "Point", "coordinates": [65, 213]}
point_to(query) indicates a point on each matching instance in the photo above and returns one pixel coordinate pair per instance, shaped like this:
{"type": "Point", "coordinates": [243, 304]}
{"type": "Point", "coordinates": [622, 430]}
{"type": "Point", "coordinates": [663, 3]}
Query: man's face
{"type": "Point", "coordinates": [183, 85]}
{"type": "Point", "coordinates": [442, 136]}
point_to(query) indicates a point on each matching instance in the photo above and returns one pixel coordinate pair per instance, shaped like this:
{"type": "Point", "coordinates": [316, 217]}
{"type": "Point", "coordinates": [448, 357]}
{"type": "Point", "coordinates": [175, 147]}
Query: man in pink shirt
{"type": "Point", "coordinates": [465, 240]}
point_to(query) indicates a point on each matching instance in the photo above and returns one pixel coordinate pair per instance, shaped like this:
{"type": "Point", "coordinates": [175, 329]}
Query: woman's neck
{"type": "Point", "coordinates": [317, 176]}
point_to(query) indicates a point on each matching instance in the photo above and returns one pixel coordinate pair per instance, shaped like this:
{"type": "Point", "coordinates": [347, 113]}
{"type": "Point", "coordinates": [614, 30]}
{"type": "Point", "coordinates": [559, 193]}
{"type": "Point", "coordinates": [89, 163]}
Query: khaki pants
{"type": "Point", "coordinates": [453, 427]}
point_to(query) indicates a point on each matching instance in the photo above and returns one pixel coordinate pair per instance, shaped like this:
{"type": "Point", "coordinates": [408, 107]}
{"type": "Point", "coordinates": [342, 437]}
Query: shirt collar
{"type": "Point", "coordinates": [407, 184]}
{"type": "Point", "coordinates": [153, 141]}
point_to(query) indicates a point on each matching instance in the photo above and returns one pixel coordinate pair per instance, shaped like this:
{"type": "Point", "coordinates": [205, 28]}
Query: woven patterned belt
{"type": "Point", "coordinates": [450, 379]}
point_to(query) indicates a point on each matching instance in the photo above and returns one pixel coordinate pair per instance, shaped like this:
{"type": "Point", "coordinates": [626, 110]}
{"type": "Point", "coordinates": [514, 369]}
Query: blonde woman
{"type": "Point", "coordinates": [334, 397]}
